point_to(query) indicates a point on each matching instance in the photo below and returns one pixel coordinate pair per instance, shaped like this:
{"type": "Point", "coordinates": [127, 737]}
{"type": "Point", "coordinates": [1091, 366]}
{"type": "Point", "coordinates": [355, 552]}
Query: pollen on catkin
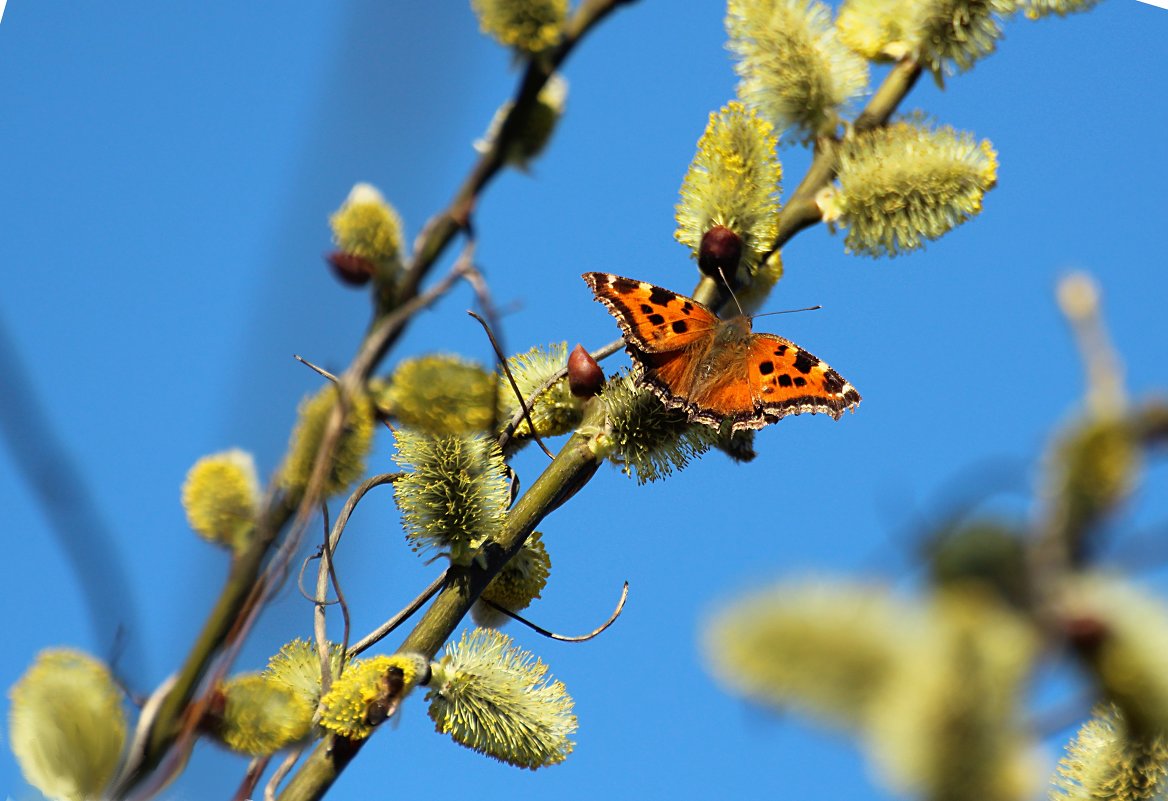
{"type": "Point", "coordinates": [535, 129]}
{"type": "Point", "coordinates": [66, 725]}
{"type": "Point", "coordinates": [440, 394]}
{"type": "Point", "coordinates": [497, 699]}
{"type": "Point", "coordinates": [907, 183]}
{"type": "Point", "coordinates": [1106, 760]}
{"type": "Point", "coordinates": [356, 439]}
{"type": "Point", "coordinates": [790, 64]}
{"type": "Point", "coordinates": [555, 410]}
{"type": "Point", "coordinates": [514, 587]}
{"type": "Point", "coordinates": [642, 437]}
{"type": "Point", "coordinates": [879, 30]}
{"type": "Point", "coordinates": [454, 494]}
{"type": "Point", "coordinates": [297, 666]}
{"type": "Point", "coordinates": [368, 227]}
{"type": "Point", "coordinates": [733, 181]}
{"type": "Point", "coordinates": [261, 716]}
{"type": "Point", "coordinates": [529, 26]}
{"type": "Point", "coordinates": [1037, 9]}
{"type": "Point", "coordinates": [948, 34]}
{"type": "Point", "coordinates": [220, 496]}
{"type": "Point", "coordinates": [368, 693]}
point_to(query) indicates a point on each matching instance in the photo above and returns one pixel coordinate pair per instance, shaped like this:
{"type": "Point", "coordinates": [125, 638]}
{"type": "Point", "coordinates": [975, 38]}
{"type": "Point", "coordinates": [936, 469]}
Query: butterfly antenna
{"type": "Point", "coordinates": [788, 311]}
{"type": "Point", "coordinates": [731, 291]}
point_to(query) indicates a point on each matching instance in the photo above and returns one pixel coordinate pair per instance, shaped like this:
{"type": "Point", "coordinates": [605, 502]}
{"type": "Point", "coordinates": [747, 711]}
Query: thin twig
{"type": "Point", "coordinates": [388, 626]}
{"type": "Point", "coordinates": [319, 370]}
{"type": "Point", "coordinates": [255, 770]}
{"type": "Point", "coordinates": [310, 597]}
{"type": "Point", "coordinates": [561, 637]}
{"type": "Point", "coordinates": [523, 408]}
{"type": "Point", "coordinates": [327, 574]}
{"type": "Point", "coordinates": [280, 772]}
{"type": "Point", "coordinates": [355, 498]}
{"type": "Point", "coordinates": [324, 573]}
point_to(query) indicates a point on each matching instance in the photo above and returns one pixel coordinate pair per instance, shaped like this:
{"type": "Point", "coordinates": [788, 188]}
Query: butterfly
{"type": "Point", "coordinates": [717, 371]}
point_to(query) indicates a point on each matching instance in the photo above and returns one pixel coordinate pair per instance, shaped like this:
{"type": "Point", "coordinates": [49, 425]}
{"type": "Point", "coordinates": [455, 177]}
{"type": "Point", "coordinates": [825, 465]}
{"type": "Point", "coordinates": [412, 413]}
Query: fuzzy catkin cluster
{"type": "Point", "coordinates": [356, 438]}
{"type": "Point", "coordinates": [645, 438]}
{"type": "Point", "coordinates": [529, 26]}
{"type": "Point", "coordinates": [441, 394]}
{"type": "Point", "coordinates": [933, 689]}
{"type": "Point", "coordinates": [297, 666]}
{"type": "Point", "coordinates": [221, 496]}
{"type": "Point", "coordinates": [1107, 760]}
{"type": "Point", "coordinates": [367, 226]}
{"type": "Point", "coordinates": [733, 182]}
{"type": "Point", "coordinates": [907, 183]}
{"type": "Point", "coordinates": [498, 700]}
{"type": "Point", "coordinates": [261, 716]}
{"type": "Point", "coordinates": [454, 494]}
{"type": "Point", "coordinates": [791, 65]}
{"type": "Point", "coordinates": [67, 725]}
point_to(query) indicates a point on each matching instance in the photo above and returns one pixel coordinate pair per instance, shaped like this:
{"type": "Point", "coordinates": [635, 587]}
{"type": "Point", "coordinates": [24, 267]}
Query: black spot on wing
{"type": "Point", "coordinates": [656, 319]}
{"type": "Point", "coordinates": [805, 361]}
{"type": "Point", "coordinates": [661, 297]}
{"type": "Point", "coordinates": [780, 350]}
{"type": "Point", "coordinates": [800, 381]}
{"type": "Point", "coordinates": [832, 382]}
{"type": "Point", "coordinates": [624, 286]}
{"type": "Point", "coordinates": [679, 326]}
{"type": "Point", "coordinates": [784, 380]}
{"type": "Point", "coordinates": [766, 368]}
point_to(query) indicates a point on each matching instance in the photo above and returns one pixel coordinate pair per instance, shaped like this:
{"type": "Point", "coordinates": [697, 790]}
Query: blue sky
{"type": "Point", "coordinates": [169, 169]}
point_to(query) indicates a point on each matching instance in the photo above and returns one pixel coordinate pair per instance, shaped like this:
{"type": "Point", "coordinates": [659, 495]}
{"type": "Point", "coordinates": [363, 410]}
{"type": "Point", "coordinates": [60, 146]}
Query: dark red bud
{"type": "Point", "coordinates": [215, 706]}
{"type": "Point", "coordinates": [1085, 632]}
{"type": "Point", "coordinates": [349, 268]}
{"type": "Point", "coordinates": [721, 249]}
{"type": "Point", "coordinates": [585, 378]}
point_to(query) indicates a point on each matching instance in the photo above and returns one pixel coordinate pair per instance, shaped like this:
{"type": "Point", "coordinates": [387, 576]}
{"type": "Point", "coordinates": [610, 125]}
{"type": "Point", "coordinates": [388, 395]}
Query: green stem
{"type": "Point", "coordinates": [573, 466]}
{"type": "Point", "coordinates": [801, 210]}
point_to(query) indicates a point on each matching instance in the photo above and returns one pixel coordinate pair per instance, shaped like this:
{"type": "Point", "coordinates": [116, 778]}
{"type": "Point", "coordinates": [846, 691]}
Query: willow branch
{"type": "Point", "coordinates": [442, 228]}
{"type": "Point", "coordinates": [573, 466]}
{"type": "Point", "coordinates": [245, 590]}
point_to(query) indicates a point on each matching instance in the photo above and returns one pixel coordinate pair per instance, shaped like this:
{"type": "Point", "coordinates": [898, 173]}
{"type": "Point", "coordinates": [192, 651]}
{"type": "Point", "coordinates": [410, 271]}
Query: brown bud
{"type": "Point", "coordinates": [350, 268]}
{"type": "Point", "coordinates": [1085, 632]}
{"type": "Point", "coordinates": [721, 249]}
{"type": "Point", "coordinates": [215, 707]}
{"type": "Point", "coordinates": [584, 375]}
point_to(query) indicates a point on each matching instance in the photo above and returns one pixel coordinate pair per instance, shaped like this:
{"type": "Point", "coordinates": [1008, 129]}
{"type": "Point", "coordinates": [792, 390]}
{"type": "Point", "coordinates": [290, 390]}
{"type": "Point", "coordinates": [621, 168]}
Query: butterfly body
{"type": "Point", "coordinates": [717, 371]}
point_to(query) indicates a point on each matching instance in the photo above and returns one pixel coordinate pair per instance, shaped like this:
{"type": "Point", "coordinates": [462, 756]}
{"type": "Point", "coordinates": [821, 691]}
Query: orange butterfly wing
{"type": "Point", "coordinates": [785, 379]}
{"type": "Point", "coordinates": [716, 370]}
{"type": "Point", "coordinates": [763, 383]}
{"type": "Point", "coordinates": [653, 319]}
